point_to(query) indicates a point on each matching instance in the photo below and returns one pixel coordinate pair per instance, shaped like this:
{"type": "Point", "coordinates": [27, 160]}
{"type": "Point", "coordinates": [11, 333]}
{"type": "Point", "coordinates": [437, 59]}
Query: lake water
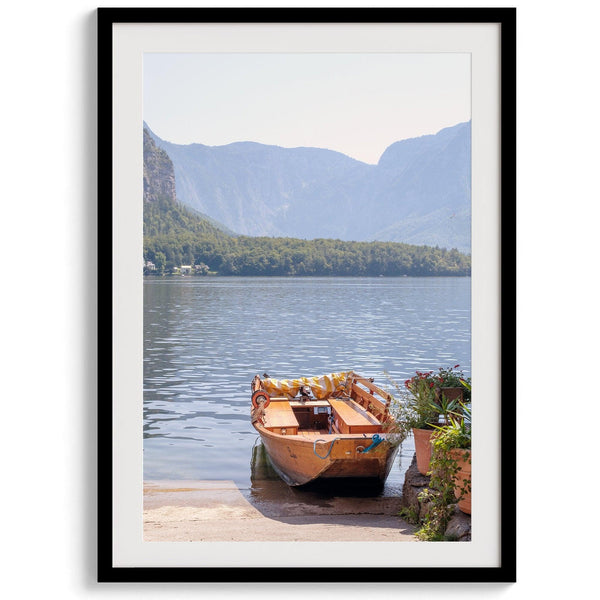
{"type": "Point", "coordinates": [206, 337]}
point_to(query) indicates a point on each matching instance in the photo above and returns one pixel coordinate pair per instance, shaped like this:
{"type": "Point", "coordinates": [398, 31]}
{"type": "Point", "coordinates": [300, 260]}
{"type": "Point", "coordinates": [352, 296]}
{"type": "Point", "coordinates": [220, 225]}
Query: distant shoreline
{"type": "Point", "coordinates": [217, 275]}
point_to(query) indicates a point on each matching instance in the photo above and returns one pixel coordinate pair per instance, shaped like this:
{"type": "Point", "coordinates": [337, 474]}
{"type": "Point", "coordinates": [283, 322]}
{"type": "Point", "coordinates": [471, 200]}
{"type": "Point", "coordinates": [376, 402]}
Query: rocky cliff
{"type": "Point", "coordinates": [159, 174]}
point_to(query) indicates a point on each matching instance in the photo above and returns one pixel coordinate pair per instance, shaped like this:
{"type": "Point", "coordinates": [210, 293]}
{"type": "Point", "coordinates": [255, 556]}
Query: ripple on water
{"type": "Point", "coordinates": [204, 340]}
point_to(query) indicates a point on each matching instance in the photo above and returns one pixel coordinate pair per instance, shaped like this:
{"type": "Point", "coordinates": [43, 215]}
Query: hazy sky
{"type": "Point", "coordinates": [357, 104]}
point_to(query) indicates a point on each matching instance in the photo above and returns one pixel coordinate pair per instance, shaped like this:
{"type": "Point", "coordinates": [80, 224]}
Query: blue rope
{"type": "Point", "coordinates": [377, 439]}
{"type": "Point", "coordinates": [328, 452]}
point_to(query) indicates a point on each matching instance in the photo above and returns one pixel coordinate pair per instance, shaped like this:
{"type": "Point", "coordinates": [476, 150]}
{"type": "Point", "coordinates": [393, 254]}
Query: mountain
{"type": "Point", "coordinates": [163, 215]}
{"type": "Point", "coordinates": [160, 194]}
{"type": "Point", "coordinates": [176, 235]}
{"type": "Point", "coordinates": [159, 176]}
{"type": "Point", "coordinates": [418, 193]}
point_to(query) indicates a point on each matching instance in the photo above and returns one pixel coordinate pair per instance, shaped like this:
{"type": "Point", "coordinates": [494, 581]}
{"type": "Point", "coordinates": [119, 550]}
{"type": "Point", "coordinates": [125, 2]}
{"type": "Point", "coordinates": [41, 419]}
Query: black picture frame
{"type": "Point", "coordinates": [506, 18]}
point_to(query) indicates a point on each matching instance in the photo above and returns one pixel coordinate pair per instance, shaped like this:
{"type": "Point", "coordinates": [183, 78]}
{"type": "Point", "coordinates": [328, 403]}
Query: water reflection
{"type": "Point", "coordinates": [205, 338]}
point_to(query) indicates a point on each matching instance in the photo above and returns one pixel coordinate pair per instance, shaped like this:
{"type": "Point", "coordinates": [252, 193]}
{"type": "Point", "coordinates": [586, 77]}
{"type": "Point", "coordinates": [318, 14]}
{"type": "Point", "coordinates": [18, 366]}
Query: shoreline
{"type": "Point", "coordinates": [220, 511]}
{"type": "Point", "coordinates": [303, 276]}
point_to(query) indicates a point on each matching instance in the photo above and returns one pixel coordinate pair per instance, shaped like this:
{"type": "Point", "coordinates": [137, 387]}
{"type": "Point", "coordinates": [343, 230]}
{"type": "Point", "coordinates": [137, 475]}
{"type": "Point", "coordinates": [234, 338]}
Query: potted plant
{"type": "Point", "coordinates": [452, 455]}
{"type": "Point", "coordinates": [449, 383]}
{"type": "Point", "coordinates": [422, 415]}
{"type": "Point", "coordinates": [424, 404]}
{"type": "Point", "coordinates": [450, 471]}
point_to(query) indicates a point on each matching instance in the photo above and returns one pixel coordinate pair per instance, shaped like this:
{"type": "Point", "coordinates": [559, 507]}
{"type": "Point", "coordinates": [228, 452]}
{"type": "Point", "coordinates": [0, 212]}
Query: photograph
{"type": "Point", "coordinates": [307, 230]}
{"type": "Point", "coordinates": [310, 241]}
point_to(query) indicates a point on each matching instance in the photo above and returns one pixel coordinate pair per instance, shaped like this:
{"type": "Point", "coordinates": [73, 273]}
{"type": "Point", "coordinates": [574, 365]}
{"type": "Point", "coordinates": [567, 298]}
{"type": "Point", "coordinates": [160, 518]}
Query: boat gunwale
{"type": "Point", "coordinates": [328, 437]}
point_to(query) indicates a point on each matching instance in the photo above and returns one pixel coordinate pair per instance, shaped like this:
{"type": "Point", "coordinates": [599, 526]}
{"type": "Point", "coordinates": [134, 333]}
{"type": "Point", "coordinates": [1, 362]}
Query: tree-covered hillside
{"type": "Point", "coordinates": [245, 255]}
{"type": "Point", "coordinates": [176, 236]}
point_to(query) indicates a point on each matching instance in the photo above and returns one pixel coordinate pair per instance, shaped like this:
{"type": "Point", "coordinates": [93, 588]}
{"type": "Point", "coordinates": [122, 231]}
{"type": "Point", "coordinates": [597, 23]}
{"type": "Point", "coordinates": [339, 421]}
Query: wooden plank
{"type": "Point", "coordinates": [368, 398]}
{"type": "Point", "coordinates": [284, 430]}
{"type": "Point", "coordinates": [280, 414]}
{"type": "Point", "coordinates": [373, 389]}
{"type": "Point", "coordinates": [348, 414]}
{"type": "Point", "coordinates": [312, 434]}
{"type": "Point", "coordinates": [308, 403]}
{"type": "Point", "coordinates": [360, 410]}
{"type": "Point", "coordinates": [351, 418]}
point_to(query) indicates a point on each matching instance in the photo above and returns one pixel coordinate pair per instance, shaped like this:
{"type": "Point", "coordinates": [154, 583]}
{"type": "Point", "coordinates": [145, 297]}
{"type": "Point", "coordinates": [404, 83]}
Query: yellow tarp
{"type": "Point", "coordinates": [321, 386]}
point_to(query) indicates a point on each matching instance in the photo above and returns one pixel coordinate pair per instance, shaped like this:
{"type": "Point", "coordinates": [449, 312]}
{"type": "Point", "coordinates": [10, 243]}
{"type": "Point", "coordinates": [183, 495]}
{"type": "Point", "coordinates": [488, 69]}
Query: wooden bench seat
{"type": "Point", "coordinates": [280, 418]}
{"type": "Point", "coordinates": [352, 418]}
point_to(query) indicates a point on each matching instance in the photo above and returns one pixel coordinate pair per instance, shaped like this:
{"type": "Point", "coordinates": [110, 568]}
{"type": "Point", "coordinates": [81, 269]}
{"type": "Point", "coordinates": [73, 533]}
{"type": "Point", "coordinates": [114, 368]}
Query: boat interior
{"type": "Point", "coordinates": [360, 408]}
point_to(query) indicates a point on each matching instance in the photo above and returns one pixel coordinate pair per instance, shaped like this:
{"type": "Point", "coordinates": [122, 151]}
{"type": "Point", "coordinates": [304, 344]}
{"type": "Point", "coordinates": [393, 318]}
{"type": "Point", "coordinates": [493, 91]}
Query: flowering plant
{"type": "Point", "coordinates": [443, 378]}
{"type": "Point", "coordinates": [421, 402]}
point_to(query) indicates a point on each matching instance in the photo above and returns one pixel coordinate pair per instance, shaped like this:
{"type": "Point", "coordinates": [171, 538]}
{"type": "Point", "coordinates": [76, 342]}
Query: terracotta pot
{"type": "Point", "coordinates": [463, 478]}
{"type": "Point", "coordinates": [423, 449]}
{"type": "Point", "coordinates": [450, 393]}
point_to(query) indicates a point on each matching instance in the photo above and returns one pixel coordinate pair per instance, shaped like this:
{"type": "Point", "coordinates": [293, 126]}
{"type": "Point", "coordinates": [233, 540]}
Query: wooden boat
{"type": "Point", "coordinates": [334, 426]}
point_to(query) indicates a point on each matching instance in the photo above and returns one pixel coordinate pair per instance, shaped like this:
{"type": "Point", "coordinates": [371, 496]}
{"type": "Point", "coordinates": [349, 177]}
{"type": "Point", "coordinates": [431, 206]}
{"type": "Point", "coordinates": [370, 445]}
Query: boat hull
{"type": "Point", "coordinates": [300, 459]}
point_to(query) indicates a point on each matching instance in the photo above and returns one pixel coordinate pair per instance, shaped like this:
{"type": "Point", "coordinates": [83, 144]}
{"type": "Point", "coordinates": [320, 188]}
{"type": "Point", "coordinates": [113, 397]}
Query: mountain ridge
{"type": "Point", "coordinates": [418, 193]}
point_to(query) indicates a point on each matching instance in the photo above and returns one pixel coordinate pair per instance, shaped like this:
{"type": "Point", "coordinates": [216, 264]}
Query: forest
{"type": "Point", "coordinates": [175, 235]}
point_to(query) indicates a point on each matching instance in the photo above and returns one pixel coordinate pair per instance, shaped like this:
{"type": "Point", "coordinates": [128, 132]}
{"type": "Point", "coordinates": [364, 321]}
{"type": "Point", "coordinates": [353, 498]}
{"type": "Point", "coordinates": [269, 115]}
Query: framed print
{"type": "Point", "coordinates": [311, 220]}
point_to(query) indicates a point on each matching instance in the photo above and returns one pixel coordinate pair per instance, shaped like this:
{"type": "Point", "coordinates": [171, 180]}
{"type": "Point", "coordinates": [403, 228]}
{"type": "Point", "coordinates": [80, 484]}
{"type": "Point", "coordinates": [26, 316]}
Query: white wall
{"type": "Point", "coordinates": [47, 358]}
